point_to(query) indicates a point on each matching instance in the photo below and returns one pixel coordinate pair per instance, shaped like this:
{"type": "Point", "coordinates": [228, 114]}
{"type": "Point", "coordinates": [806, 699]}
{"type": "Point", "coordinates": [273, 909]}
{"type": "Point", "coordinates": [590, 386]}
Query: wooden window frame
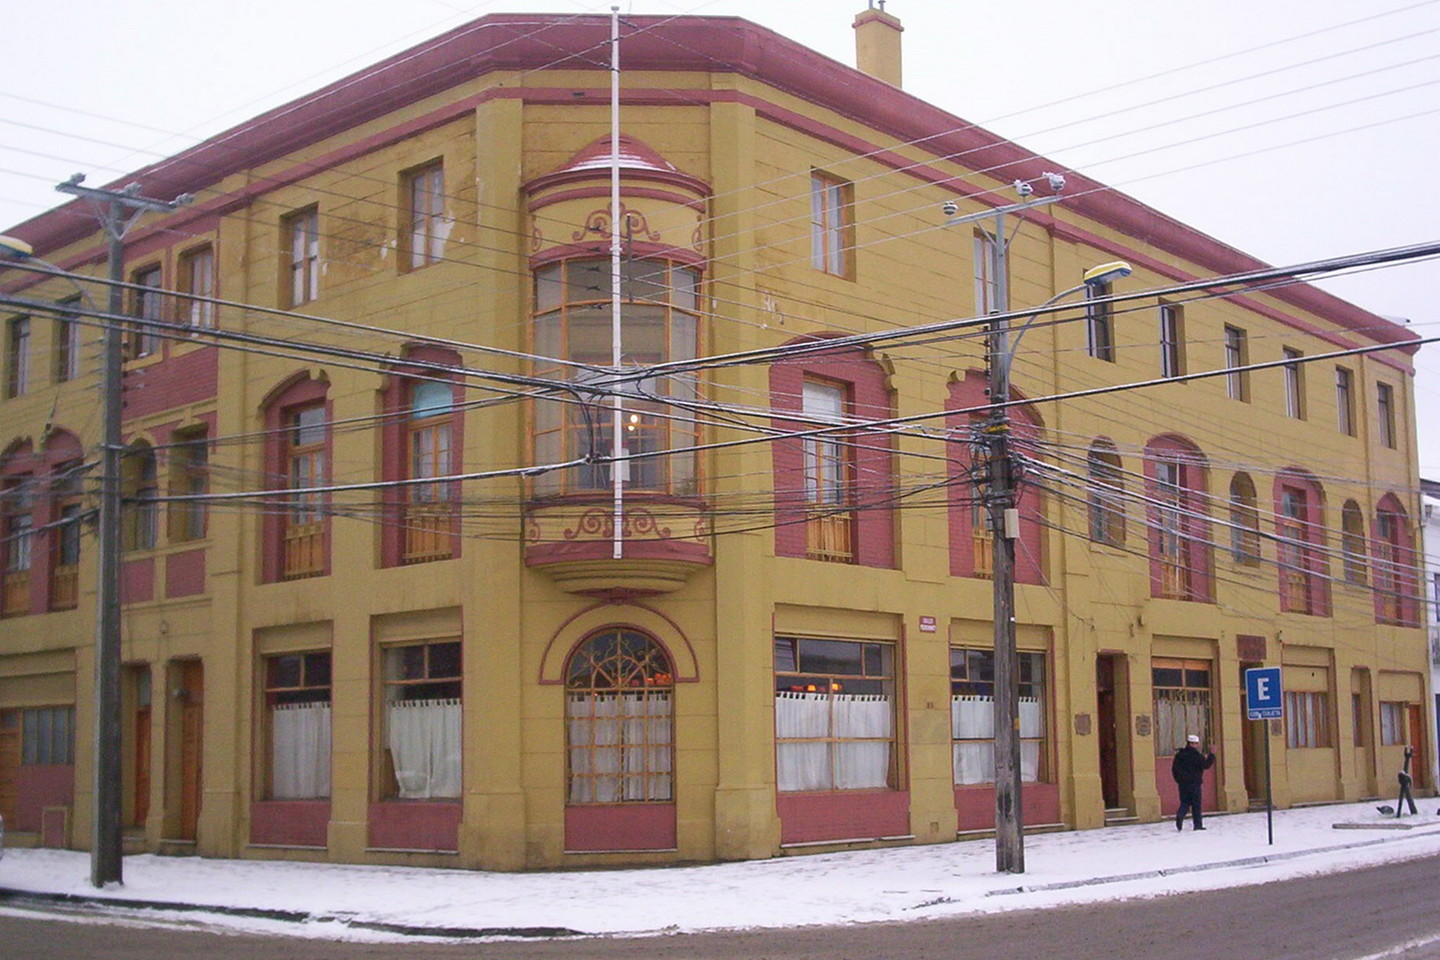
{"type": "Point", "coordinates": [828, 468]}
{"type": "Point", "coordinates": [189, 461]}
{"type": "Point", "coordinates": [832, 225]}
{"type": "Point", "coordinates": [303, 530]}
{"type": "Point", "coordinates": [300, 256]}
{"type": "Point", "coordinates": [1190, 691]}
{"type": "Point", "coordinates": [16, 543]}
{"type": "Point", "coordinates": [1244, 521]}
{"type": "Point", "coordinates": [1237, 358]}
{"type": "Point", "coordinates": [429, 507]}
{"type": "Point", "coordinates": [1354, 556]}
{"type": "Point", "coordinates": [17, 356]}
{"type": "Point", "coordinates": [1385, 418]}
{"type": "Point", "coordinates": [147, 302]}
{"type": "Point", "coordinates": [67, 342]}
{"type": "Point", "coordinates": [431, 685]}
{"type": "Point", "coordinates": [1345, 401]}
{"type": "Point", "coordinates": [274, 692]}
{"type": "Point", "coordinates": [422, 204]}
{"type": "Point", "coordinates": [1172, 340]}
{"type": "Point", "coordinates": [1105, 496]}
{"type": "Point", "coordinates": [1301, 708]}
{"type": "Point", "coordinates": [1099, 322]}
{"type": "Point", "coordinates": [197, 284]}
{"type": "Point", "coordinates": [968, 678]}
{"type": "Point", "coordinates": [1293, 372]}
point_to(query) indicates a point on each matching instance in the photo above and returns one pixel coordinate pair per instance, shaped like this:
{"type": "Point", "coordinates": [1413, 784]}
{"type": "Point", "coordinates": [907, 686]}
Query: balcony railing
{"type": "Point", "coordinates": [15, 599]}
{"type": "Point", "coordinates": [427, 533]}
{"type": "Point", "coordinates": [829, 536]}
{"type": "Point", "coordinates": [304, 551]}
{"type": "Point", "coordinates": [65, 587]}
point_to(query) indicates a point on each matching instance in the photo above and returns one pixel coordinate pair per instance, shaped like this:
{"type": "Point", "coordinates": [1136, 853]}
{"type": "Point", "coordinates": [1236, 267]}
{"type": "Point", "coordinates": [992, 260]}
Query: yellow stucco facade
{"type": "Point", "coordinates": [719, 569]}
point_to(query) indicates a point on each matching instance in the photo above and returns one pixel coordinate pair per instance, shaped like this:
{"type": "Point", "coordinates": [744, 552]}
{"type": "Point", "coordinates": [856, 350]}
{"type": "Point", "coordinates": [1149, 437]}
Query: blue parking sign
{"type": "Point", "coordinates": [1263, 698]}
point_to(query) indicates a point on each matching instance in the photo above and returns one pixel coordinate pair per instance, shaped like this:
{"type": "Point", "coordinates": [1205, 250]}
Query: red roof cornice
{"type": "Point", "coordinates": [531, 42]}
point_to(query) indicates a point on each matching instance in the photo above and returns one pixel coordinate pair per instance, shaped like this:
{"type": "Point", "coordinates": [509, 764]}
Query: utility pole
{"type": "Point", "coordinates": [117, 210]}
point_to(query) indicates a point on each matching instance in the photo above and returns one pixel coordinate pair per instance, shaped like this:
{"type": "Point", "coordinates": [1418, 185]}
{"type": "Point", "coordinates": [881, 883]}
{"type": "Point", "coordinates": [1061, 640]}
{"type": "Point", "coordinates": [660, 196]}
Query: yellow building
{"type": "Point", "coordinates": [385, 600]}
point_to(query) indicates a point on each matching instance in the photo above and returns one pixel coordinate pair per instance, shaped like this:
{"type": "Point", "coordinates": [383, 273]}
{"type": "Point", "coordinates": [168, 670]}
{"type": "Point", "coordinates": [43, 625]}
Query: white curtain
{"type": "Point", "coordinates": [424, 740]}
{"type": "Point", "coordinates": [620, 746]}
{"type": "Point", "coordinates": [972, 723]}
{"type": "Point", "coordinates": [857, 758]}
{"type": "Point", "coordinates": [300, 751]}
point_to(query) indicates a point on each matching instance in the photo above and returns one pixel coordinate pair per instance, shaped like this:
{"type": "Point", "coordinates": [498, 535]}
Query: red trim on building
{"type": "Point", "coordinates": [843, 815]}
{"type": "Point", "coordinates": [975, 805]}
{"type": "Point", "coordinates": [595, 828]}
{"type": "Point", "coordinates": [290, 823]}
{"type": "Point", "coordinates": [415, 825]}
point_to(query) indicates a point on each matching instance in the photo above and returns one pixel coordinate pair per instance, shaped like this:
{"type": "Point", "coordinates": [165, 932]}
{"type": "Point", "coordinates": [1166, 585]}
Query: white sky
{"type": "Point", "coordinates": [899, 883]}
{"type": "Point", "coordinates": [1321, 143]}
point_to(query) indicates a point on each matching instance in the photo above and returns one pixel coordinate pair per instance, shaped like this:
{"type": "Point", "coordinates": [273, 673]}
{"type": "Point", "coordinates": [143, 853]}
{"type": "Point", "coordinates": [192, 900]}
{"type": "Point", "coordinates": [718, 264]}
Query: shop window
{"type": "Point", "coordinates": [297, 726]}
{"type": "Point", "coordinates": [1183, 696]}
{"type": "Point", "coordinates": [834, 714]}
{"type": "Point", "coordinates": [422, 721]}
{"type": "Point", "coordinates": [619, 720]}
{"type": "Point", "coordinates": [1307, 719]}
{"type": "Point", "coordinates": [1392, 724]}
{"type": "Point", "coordinates": [47, 736]}
{"type": "Point", "coordinates": [972, 715]}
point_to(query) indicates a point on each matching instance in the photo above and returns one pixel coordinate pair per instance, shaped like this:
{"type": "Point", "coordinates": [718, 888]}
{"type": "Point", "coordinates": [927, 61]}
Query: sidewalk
{"type": "Point", "coordinates": [366, 902]}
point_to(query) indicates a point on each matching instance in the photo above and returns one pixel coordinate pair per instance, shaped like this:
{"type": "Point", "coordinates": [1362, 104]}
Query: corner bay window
{"type": "Point", "coordinates": [297, 711]}
{"type": "Point", "coordinates": [834, 714]}
{"type": "Point", "coordinates": [659, 323]}
{"type": "Point", "coordinates": [422, 721]}
{"type": "Point", "coordinates": [972, 715]}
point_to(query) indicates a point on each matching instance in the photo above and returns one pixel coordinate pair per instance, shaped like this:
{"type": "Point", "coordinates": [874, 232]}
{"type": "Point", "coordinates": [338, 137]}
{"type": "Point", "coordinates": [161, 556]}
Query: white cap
{"type": "Point", "coordinates": [1193, 739]}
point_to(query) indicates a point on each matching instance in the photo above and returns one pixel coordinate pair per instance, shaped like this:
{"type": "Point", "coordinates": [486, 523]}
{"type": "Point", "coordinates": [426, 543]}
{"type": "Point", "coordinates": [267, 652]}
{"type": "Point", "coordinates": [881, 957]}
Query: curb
{"type": "Point", "coordinates": [8, 895]}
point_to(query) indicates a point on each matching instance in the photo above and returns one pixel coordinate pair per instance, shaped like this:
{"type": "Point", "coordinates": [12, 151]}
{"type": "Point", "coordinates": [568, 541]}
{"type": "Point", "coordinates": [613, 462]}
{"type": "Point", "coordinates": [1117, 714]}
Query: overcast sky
{"type": "Point", "coordinates": [1291, 129]}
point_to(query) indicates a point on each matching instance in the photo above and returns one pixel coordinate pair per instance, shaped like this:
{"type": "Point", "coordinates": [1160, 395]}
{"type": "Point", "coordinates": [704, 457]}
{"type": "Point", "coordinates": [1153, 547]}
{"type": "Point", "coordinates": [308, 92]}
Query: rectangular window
{"type": "Point", "coordinates": [17, 356]}
{"type": "Point", "coordinates": [987, 274]}
{"type": "Point", "coordinates": [1392, 724]}
{"type": "Point", "coordinates": [302, 257]}
{"type": "Point", "coordinates": [1294, 384]}
{"type": "Point", "coordinates": [429, 508]}
{"type": "Point", "coordinates": [832, 225]}
{"type": "Point", "coordinates": [47, 736]}
{"type": "Point", "coordinates": [1174, 554]}
{"type": "Point", "coordinates": [1237, 357]}
{"type": "Point", "coordinates": [1435, 594]}
{"type": "Point", "coordinates": [16, 503]}
{"type": "Point", "coordinates": [1099, 322]}
{"type": "Point", "coordinates": [1293, 551]}
{"type": "Point", "coordinates": [1357, 720]}
{"type": "Point", "coordinates": [1183, 701]}
{"type": "Point", "coordinates": [67, 343]}
{"type": "Point", "coordinates": [424, 210]}
{"type": "Point", "coordinates": [1307, 719]}
{"type": "Point", "coordinates": [197, 281]}
{"type": "Point", "coordinates": [972, 715]}
{"type": "Point", "coordinates": [1172, 340]}
{"type": "Point", "coordinates": [1345, 401]}
{"type": "Point", "coordinates": [422, 699]}
{"type": "Point", "coordinates": [1385, 413]}
{"type": "Point", "coordinates": [66, 489]}
{"type": "Point", "coordinates": [146, 303]}
{"type": "Point", "coordinates": [297, 717]}
{"type": "Point", "coordinates": [189, 477]}
{"type": "Point", "coordinates": [305, 468]}
{"type": "Point", "coordinates": [834, 714]}
{"type": "Point", "coordinates": [830, 521]}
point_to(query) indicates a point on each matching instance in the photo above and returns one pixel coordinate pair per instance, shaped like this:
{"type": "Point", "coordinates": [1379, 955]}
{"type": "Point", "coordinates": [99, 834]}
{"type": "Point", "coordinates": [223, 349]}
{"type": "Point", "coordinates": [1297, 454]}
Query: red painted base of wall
{"type": "Point", "coordinates": [38, 787]}
{"type": "Point", "coordinates": [292, 823]}
{"type": "Point", "coordinates": [415, 825]}
{"type": "Point", "coordinates": [1170, 794]}
{"type": "Point", "coordinates": [975, 805]}
{"type": "Point", "coordinates": [843, 815]}
{"type": "Point", "coordinates": [620, 826]}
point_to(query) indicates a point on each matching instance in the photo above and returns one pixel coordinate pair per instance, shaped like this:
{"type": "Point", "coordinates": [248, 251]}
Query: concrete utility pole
{"type": "Point", "coordinates": [117, 210]}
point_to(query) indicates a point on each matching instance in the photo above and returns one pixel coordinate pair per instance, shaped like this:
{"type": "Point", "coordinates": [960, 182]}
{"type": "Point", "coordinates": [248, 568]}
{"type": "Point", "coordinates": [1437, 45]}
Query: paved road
{"type": "Point", "coordinates": [1360, 914]}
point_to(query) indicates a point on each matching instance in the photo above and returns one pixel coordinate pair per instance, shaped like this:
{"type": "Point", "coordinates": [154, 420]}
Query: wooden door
{"type": "Point", "coordinates": [142, 765]}
{"type": "Point", "coordinates": [9, 765]}
{"type": "Point", "coordinates": [1105, 724]}
{"type": "Point", "coordinates": [1415, 731]}
{"type": "Point", "coordinates": [192, 716]}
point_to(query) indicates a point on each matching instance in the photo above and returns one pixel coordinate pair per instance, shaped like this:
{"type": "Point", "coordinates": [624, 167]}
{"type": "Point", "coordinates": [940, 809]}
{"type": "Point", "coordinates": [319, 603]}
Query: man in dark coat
{"type": "Point", "coordinates": [1188, 768]}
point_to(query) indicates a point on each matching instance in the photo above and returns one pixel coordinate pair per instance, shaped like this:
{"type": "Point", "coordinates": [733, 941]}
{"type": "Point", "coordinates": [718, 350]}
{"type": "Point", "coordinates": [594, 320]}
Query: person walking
{"type": "Point", "coordinates": [1188, 768]}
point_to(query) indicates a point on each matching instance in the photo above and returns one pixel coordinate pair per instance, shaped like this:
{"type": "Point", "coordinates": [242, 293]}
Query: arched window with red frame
{"type": "Point", "coordinates": [422, 437]}
{"type": "Point", "coordinates": [1300, 549]}
{"type": "Point", "coordinates": [296, 531]}
{"type": "Point", "coordinates": [1182, 564]}
{"type": "Point", "coordinates": [1396, 583]}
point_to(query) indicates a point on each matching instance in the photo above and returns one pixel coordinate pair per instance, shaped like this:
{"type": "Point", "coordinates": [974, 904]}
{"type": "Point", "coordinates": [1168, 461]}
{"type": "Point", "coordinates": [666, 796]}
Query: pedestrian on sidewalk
{"type": "Point", "coordinates": [1188, 768]}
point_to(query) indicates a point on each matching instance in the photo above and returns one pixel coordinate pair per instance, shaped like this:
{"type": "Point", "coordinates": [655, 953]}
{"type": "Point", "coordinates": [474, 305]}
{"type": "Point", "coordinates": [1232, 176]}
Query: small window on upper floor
{"type": "Point", "coordinates": [423, 207]}
{"type": "Point", "coordinates": [1294, 384]}
{"type": "Point", "coordinates": [1237, 358]}
{"type": "Point", "coordinates": [189, 477]}
{"type": "Point", "coordinates": [1099, 322]}
{"type": "Point", "coordinates": [1172, 340]}
{"type": "Point", "coordinates": [1385, 414]}
{"type": "Point", "coordinates": [147, 305]}
{"type": "Point", "coordinates": [67, 342]}
{"type": "Point", "coordinates": [197, 281]}
{"type": "Point", "coordinates": [17, 356]}
{"type": "Point", "coordinates": [300, 239]}
{"type": "Point", "coordinates": [832, 225]}
{"type": "Point", "coordinates": [1345, 401]}
{"type": "Point", "coordinates": [140, 491]}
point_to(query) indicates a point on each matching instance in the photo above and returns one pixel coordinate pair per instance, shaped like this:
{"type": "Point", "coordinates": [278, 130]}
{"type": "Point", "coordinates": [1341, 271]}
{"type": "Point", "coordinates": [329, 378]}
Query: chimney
{"type": "Point", "coordinates": [877, 43]}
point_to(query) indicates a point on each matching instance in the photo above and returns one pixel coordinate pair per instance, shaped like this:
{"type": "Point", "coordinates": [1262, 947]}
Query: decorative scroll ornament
{"type": "Point", "coordinates": [598, 222]}
{"type": "Point", "coordinates": [596, 522]}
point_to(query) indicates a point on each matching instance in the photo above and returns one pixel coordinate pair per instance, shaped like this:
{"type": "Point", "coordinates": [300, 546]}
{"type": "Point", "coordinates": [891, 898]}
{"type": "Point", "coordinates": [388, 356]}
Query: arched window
{"type": "Point", "coordinates": [17, 504]}
{"type": "Point", "coordinates": [429, 508]}
{"type": "Point", "coordinates": [659, 323]}
{"type": "Point", "coordinates": [1244, 521]}
{"type": "Point", "coordinates": [1106, 494]}
{"type": "Point", "coordinates": [619, 720]}
{"type": "Point", "coordinates": [1300, 544]}
{"type": "Point", "coordinates": [1352, 542]}
{"type": "Point", "coordinates": [296, 540]}
{"type": "Point", "coordinates": [140, 488]}
{"type": "Point", "coordinates": [1395, 577]}
{"type": "Point", "coordinates": [1181, 562]}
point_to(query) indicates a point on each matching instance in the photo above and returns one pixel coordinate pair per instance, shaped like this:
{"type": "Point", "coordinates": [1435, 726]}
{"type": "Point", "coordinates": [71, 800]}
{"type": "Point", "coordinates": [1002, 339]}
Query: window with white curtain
{"type": "Point", "coordinates": [1183, 698]}
{"type": "Point", "coordinates": [423, 721]}
{"type": "Point", "coordinates": [834, 714]}
{"type": "Point", "coordinates": [972, 715]}
{"type": "Point", "coordinates": [619, 720]}
{"type": "Point", "coordinates": [297, 712]}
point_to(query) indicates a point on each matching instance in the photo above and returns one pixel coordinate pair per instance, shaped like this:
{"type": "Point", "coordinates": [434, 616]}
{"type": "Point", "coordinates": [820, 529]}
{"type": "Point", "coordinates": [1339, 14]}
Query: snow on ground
{"type": "Point", "coordinates": [896, 883]}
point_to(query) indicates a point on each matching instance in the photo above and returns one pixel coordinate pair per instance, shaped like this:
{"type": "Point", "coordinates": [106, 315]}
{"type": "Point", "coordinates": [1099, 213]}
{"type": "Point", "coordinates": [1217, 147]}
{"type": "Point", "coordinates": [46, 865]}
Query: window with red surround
{"type": "Point", "coordinates": [1182, 565]}
{"type": "Point", "coordinates": [1396, 583]}
{"type": "Point", "coordinates": [295, 535]}
{"type": "Point", "coordinates": [970, 538]}
{"type": "Point", "coordinates": [833, 491]}
{"type": "Point", "coordinates": [421, 441]}
{"type": "Point", "coordinates": [1301, 555]}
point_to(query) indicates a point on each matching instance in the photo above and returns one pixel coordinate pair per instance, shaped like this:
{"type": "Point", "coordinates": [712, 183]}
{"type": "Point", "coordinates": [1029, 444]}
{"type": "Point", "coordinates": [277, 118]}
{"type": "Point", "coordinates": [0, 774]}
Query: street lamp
{"type": "Point", "coordinates": [1004, 521]}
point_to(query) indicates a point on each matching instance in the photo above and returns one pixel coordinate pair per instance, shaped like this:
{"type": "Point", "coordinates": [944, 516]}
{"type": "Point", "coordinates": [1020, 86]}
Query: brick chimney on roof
{"type": "Point", "coordinates": [877, 43]}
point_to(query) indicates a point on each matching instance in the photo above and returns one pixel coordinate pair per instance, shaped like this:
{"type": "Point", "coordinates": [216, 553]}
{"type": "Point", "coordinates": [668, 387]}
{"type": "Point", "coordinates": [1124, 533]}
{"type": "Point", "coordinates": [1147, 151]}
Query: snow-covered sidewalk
{"type": "Point", "coordinates": [353, 902]}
